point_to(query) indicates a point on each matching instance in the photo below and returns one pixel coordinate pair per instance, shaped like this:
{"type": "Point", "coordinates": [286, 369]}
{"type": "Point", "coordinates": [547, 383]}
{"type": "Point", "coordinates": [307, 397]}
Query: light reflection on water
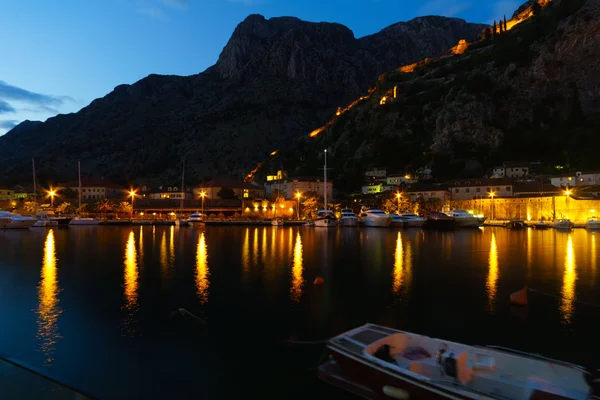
{"type": "Point", "coordinates": [570, 276]}
{"type": "Point", "coordinates": [492, 279]}
{"type": "Point", "coordinates": [202, 272]}
{"type": "Point", "coordinates": [402, 266]}
{"type": "Point", "coordinates": [297, 280]}
{"type": "Point", "coordinates": [130, 285]}
{"type": "Point", "coordinates": [48, 310]}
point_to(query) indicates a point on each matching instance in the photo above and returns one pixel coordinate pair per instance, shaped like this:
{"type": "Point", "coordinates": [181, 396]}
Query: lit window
{"type": "Point", "coordinates": [245, 193]}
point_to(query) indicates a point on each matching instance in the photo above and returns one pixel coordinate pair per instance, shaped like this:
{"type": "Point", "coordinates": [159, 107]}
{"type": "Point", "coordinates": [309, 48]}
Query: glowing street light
{"type": "Point", "coordinates": [132, 194]}
{"type": "Point", "coordinates": [202, 194]}
{"type": "Point", "coordinates": [492, 194]}
{"type": "Point", "coordinates": [52, 193]}
{"type": "Point", "coordinates": [298, 195]}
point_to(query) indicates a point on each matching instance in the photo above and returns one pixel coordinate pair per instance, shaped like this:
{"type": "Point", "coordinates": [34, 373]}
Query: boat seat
{"type": "Point", "coordinates": [483, 362]}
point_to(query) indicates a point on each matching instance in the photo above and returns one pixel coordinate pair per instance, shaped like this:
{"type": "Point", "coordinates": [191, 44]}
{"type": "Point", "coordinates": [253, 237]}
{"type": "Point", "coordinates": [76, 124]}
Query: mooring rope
{"type": "Point", "coordinates": [561, 298]}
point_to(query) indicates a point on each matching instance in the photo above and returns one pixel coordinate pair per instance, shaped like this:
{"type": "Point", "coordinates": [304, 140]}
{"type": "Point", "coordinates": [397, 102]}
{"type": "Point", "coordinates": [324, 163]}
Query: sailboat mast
{"type": "Point", "coordinates": [325, 179]}
{"type": "Point", "coordinates": [79, 191]}
{"type": "Point", "coordinates": [182, 188]}
{"type": "Point", "coordinates": [34, 188]}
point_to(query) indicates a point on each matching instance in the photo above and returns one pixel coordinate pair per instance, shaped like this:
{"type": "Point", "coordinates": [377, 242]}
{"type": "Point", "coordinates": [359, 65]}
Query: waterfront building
{"type": "Point", "coordinates": [95, 189]}
{"type": "Point", "coordinates": [168, 192]}
{"type": "Point", "coordinates": [288, 187]}
{"type": "Point", "coordinates": [241, 189]}
{"type": "Point", "coordinates": [466, 189]}
{"type": "Point", "coordinates": [429, 191]}
{"type": "Point", "coordinates": [576, 178]}
{"type": "Point", "coordinates": [22, 192]}
{"type": "Point", "coordinates": [7, 194]}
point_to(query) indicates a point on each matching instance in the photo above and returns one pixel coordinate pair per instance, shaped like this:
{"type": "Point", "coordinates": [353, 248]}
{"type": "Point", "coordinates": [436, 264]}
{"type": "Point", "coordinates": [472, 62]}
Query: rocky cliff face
{"type": "Point", "coordinates": [275, 81]}
{"type": "Point", "coordinates": [532, 93]}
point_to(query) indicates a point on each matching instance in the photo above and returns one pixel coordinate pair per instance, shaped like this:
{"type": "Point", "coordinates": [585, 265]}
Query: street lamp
{"type": "Point", "coordinates": [202, 194]}
{"type": "Point", "coordinates": [298, 195]}
{"type": "Point", "coordinates": [52, 193]}
{"type": "Point", "coordinates": [132, 194]}
{"type": "Point", "coordinates": [398, 196]}
{"type": "Point", "coordinates": [492, 194]}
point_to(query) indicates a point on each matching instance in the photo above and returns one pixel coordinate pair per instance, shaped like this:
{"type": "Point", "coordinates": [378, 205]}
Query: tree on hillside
{"type": "Point", "coordinates": [226, 193]}
{"type": "Point", "coordinates": [430, 205]}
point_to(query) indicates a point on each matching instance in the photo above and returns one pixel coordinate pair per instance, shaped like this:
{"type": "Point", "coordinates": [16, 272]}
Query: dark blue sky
{"type": "Point", "coordinates": [60, 55]}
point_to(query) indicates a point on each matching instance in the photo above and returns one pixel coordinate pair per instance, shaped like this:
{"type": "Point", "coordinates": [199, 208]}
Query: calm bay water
{"type": "Point", "coordinates": [93, 305]}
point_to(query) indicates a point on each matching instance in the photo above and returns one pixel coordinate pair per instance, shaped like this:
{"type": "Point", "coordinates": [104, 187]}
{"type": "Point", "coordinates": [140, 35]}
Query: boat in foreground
{"type": "Point", "coordinates": [541, 226]}
{"type": "Point", "coordinates": [397, 221]}
{"type": "Point", "coordinates": [375, 218]}
{"type": "Point", "coordinates": [465, 219]}
{"type": "Point", "coordinates": [412, 220]}
{"type": "Point", "coordinates": [440, 221]}
{"type": "Point", "coordinates": [196, 219]}
{"type": "Point", "coordinates": [325, 219]}
{"type": "Point", "coordinates": [376, 362]}
{"type": "Point", "coordinates": [16, 221]}
{"type": "Point", "coordinates": [516, 224]}
{"type": "Point", "coordinates": [564, 224]}
{"type": "Point", "coordinates": [593, 223]}
{"type": "Point", "coordinates": [348, 218]}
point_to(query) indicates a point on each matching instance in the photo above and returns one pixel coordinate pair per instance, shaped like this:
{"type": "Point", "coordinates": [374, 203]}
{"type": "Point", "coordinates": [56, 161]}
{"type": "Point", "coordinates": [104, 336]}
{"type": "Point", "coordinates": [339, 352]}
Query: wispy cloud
{"type": "Point", "coordinates": [447, 8]}
{"type": "Point", "coordinates": [8, 124]}
{"type": "Point", "coordinates": [6, 108]}
{"type": "Point", "coordinates": [153, 12]}
{"type": "Point", "coordinates": [9, 92]}
{"type": "Point", "coordinates": [180, 4]}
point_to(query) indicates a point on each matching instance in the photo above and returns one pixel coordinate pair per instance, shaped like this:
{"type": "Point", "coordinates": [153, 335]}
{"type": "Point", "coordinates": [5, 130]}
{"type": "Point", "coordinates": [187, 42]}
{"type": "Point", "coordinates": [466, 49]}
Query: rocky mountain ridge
{"type": "Point", "coordinates": [275, 80]}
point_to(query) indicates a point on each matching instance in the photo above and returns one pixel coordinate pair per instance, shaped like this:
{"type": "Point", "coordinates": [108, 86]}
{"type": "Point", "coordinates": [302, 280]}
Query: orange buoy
{"type": "Point", "coordinates": [519, 298]}
{"type": "Point", "coordinates": [319, 281]}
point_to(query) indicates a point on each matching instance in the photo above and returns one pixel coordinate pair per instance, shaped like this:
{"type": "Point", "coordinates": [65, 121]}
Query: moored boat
{"type": "Point", "coordinates": [84, 221]}
{"type": "Point", "coordinates": [465, 219]}
{"type": "Point", "coordinates": [564, 224]}
{"type": "Point", "coordinates": [440, 221]}
{"type": "Point", "coordinates": [277, 222]}
{"type": "Point", "coordinates": [375, 218]}
{"type": "Point", "coordinates": [4, 221]}
{"type": "Point", "coordinates": [348, 218]}
{"type": "Point", "coordinates": [592, 223]}
{"type": "Point", "coordinates": [541, 226]}
{"type": "Point", "coordinates": [17, 221]}
{"type": "Point", "coordinates": [516, 224]}
{"type": "Point", "coordinates": [397, 222]}
{"type": "Point", "coordinates": [196, 219]}
{"type": "Point", "coordinates": [376, 362]}
{"type": "Point", "coordinates": [325, 219]}
{"type": "Point", "coordinates": [412, 220]}
{"type": "Point", "coordinates": [44, 223]}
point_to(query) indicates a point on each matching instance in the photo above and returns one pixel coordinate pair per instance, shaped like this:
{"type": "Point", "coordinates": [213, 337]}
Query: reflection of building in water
{"type": "Point", "coordinates": [570, 276]}
{"type": "Point", "coordinates": [246, 251]}
{"type": "Point", "coordinates": [492, 279]}
{"type": "Point", "coordinates": [594, 258]}
{"type": "Point", "coordinates": [202, 271]}
{"type": "Point", "coordinates": [130, 281]}
{"type": "Point", "coordinates": [529, 254]}
{"type": "Point", "coordinates": [255, 247]}
{"type": "Point", "coordinates": [297, 280]}
{"type": "Point", "coordinates": [141, 245]}
{"type": "Point", "coordinates": [164, 264]}
{"type": "Point", "coordinates": [48, 309]}
{"type": "Point", "coordinates": [402, 266]}
{"type": "Point", "coordinates": [172, 246]}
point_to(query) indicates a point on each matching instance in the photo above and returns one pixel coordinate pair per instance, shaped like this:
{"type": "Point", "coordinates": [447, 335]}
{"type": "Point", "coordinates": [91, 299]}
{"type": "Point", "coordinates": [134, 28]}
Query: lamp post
{"type": "Point", "coordinates": [492, 194]}
{"type": "Point", "coordinates": [202, 194]}
{"type": "Point", "coordinates": [398, 196]}
{"type": "Point", "coordinates": [298, 195]}
{"type": "Point", "coordinates": [52, 193]}
{"type": "Point", "coordinates": [132, 194]}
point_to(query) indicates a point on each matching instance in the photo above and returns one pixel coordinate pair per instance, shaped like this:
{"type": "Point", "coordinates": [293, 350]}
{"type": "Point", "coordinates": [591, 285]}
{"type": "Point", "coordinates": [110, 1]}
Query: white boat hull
{"type": "Point", "coordinates": [44, 224]}
{"type": "Point", "coordinates": [377, 222]}
{"type": "Point", "coordinates": [326, 223]}
{"type": "Point", "coordinates": [593, 225]}
{"type": "Point", "coordinates": [84, 221]}
{"type": "Point", "coordinates": [468, 222]}
{"type": "Point", "coordinates": [563, 226]}
{"type": "Point", "coordinates": [20, 224]}
{"type": "Point", "coordinates": [348, 221]}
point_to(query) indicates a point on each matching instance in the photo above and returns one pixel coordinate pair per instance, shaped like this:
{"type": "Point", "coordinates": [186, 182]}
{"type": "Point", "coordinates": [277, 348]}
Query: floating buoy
{"type": "Point", "coordinates": [319, 281]}
{"type": "Point", "coordinates": [519, 298]}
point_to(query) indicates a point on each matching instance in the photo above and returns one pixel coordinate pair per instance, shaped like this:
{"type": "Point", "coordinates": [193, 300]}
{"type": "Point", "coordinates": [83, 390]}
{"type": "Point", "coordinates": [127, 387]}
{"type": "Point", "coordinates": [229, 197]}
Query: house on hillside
{"type": "Point", "coordinates": [242, 190]}
{"type": "Point", "coordinates": [7, 194]}
{"type": "Point", "coordinates": [288, 187]}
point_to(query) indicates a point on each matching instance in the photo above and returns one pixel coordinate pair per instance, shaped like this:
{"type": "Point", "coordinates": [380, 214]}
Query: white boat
{"type": "Point", "coordinates": [593, 223]}
{"type": "Point", "coordinates": [4, 221]}
{"type": "Point", "coordinates": [375, 218]}
{"type": "Point", "coordinates": [44, 223]}
{"type": "Point", "coordinates": [85, 221]}
{"type": "Point", "coordinates": [17, 221]}
{"type": "Point", "coordinates": [277, 222]}
{"type": "Point", "coordinates": [309, 224]}
{"type": "Point", "coordinates": [397, 221]}
{"type": "Point", "coordinates": [196, 219]}
{"type": "Point", "coordinates": [325, 219]}
{"type": "Point", "coordinates": [348, 218]}
{"type": "Point", "coordinates": [376, 362]}
{"type": "Point", "coordinates": [564, 224]}
{"type": "Point", "coordinates": [465, 219]}
{"type": "Point", "coordinates": [412, 220]}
